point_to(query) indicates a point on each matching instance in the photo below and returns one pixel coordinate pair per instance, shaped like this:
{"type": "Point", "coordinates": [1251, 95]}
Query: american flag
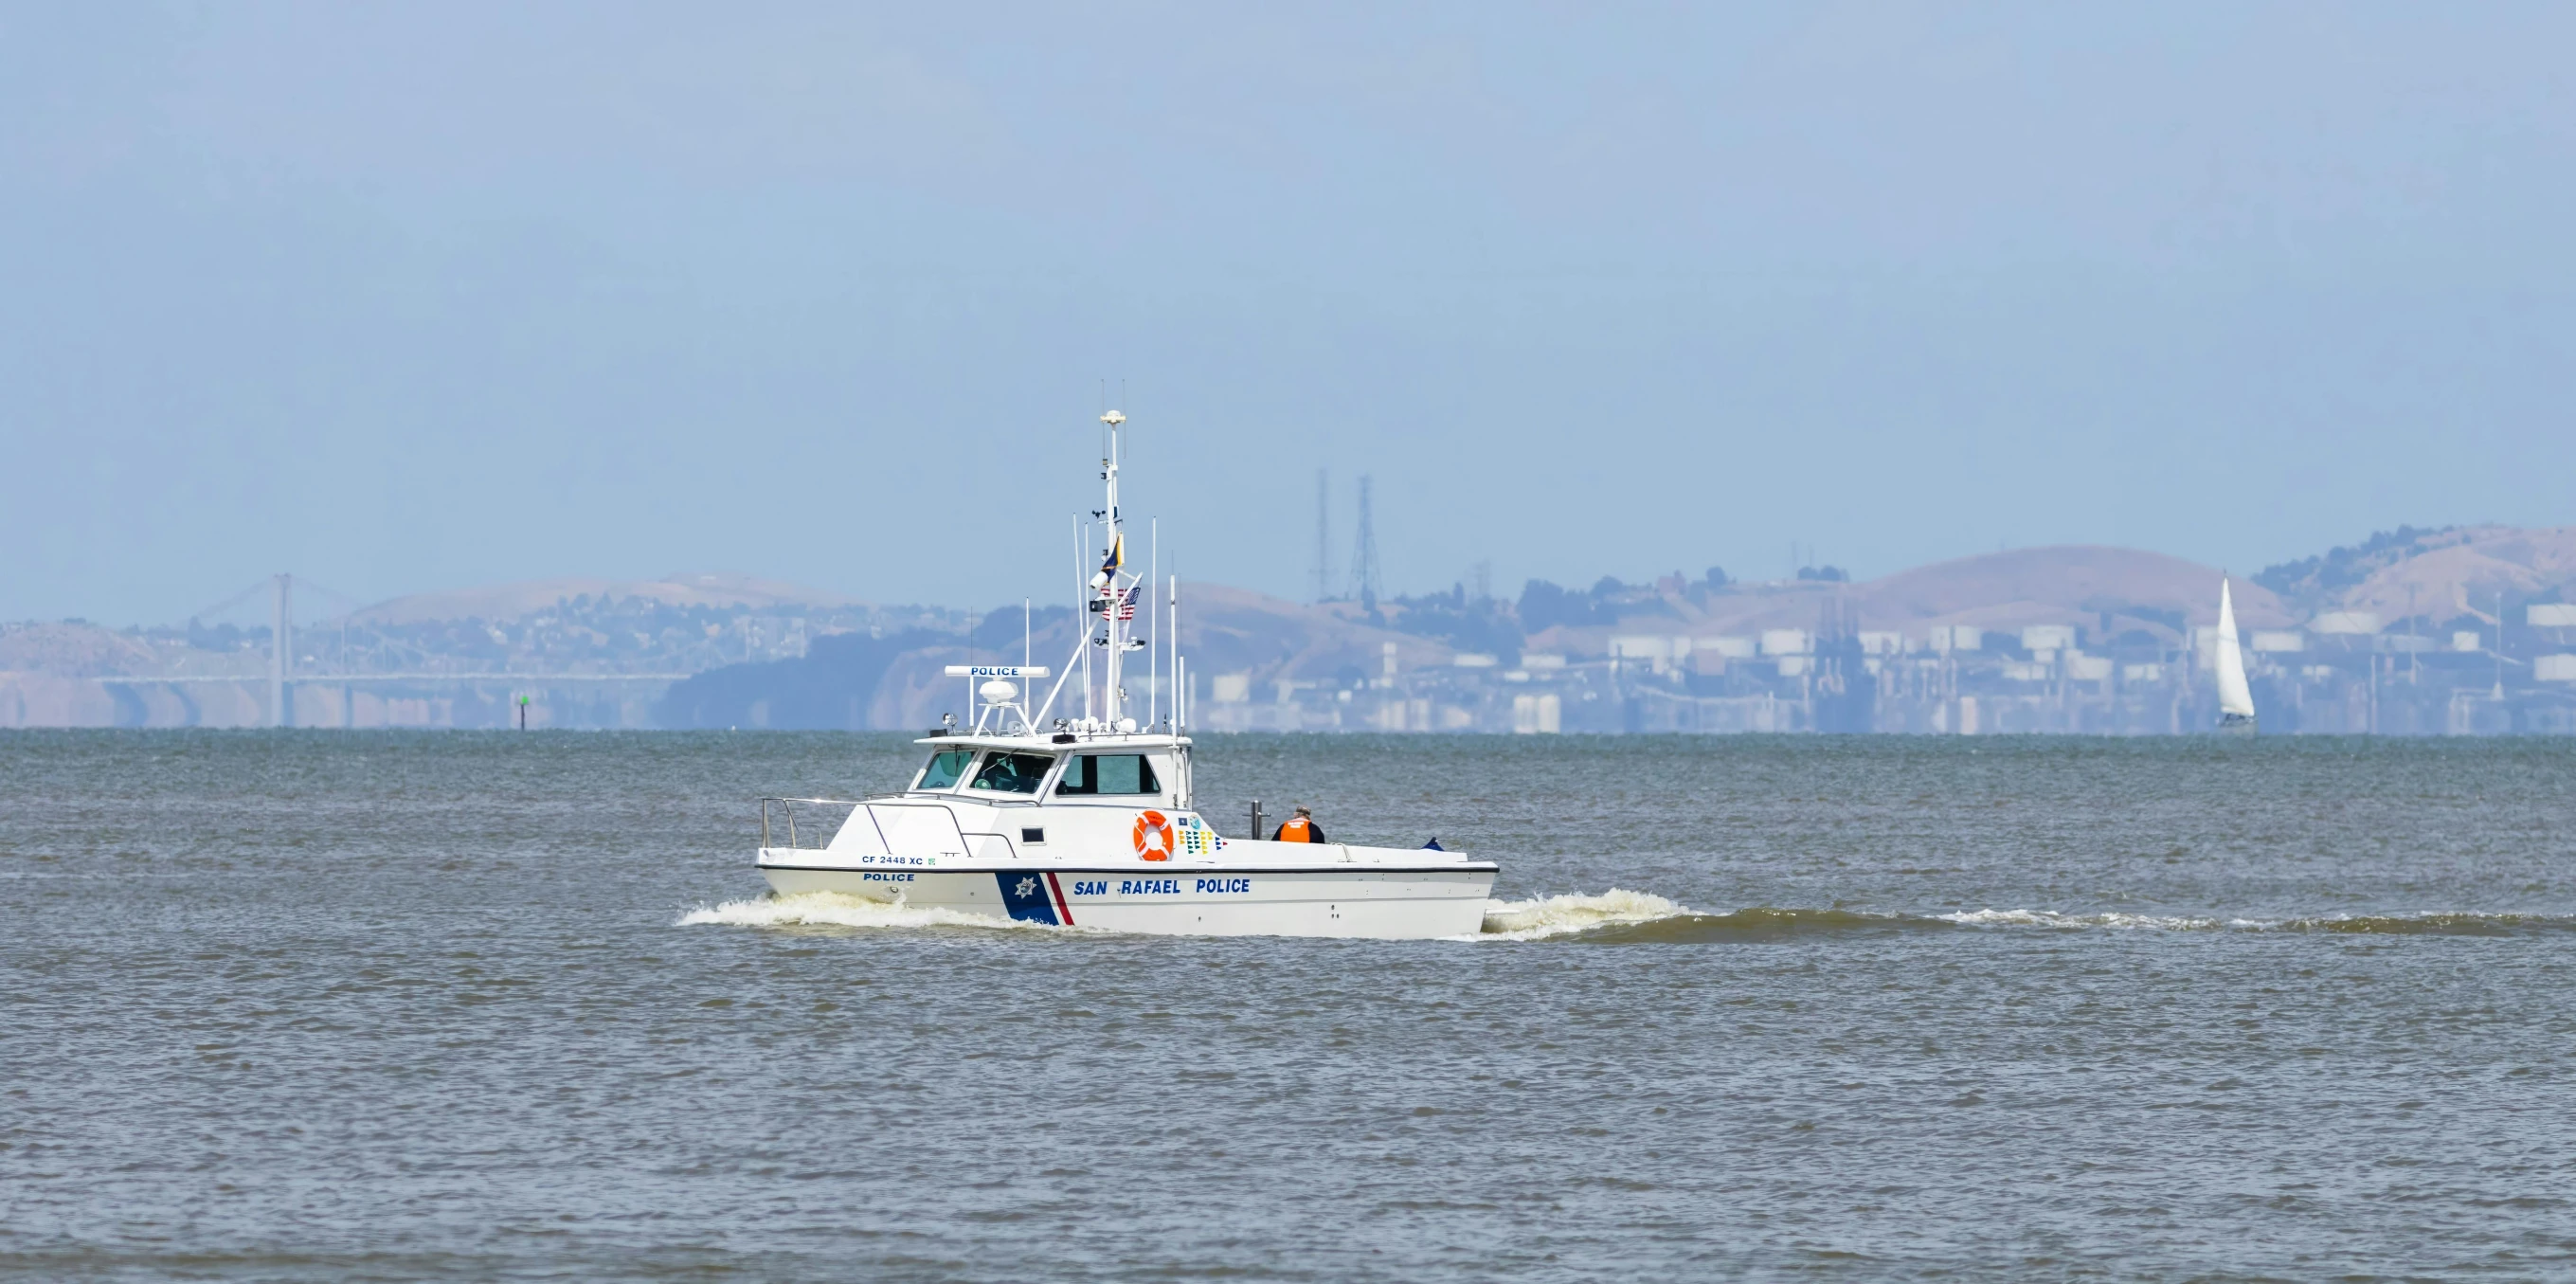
{"type": "Point", "coordinates": [1127, 602]}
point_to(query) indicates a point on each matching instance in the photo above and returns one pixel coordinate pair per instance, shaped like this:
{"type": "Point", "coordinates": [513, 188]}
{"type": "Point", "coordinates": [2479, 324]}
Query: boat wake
{"type": "Point", "coordinates": [1539, 919]}
{"type": "Point", "coordinates": [1626, 917]}
{"type": "Point", "coordinates": [839, 909]}
{"type": "Point", "coordinates": [2070, 922]}
{"type": "Point", "coordinates": [2434, 923]}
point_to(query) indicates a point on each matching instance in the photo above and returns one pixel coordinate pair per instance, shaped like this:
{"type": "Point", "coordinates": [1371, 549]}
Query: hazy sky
{"type": "Point", "coordinates": [408, 297]}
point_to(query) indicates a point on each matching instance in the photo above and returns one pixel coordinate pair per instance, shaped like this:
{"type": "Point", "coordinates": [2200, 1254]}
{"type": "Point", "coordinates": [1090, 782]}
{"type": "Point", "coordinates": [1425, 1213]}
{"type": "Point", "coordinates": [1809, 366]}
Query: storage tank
{"type": "Point", "coordinates": [1784, 642]}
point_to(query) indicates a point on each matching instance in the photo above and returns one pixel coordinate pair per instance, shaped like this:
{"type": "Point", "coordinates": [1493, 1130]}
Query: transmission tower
{"type": "Point", "coordinates": [281, 652]}
{"type": "Point", "coordinates": [1323, 535]}
{"type": "Point", "coordinates": [1364, 577]}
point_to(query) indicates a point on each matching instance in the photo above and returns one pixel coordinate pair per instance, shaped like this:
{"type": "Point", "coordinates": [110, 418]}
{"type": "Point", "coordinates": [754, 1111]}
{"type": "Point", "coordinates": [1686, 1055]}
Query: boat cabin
{"type": "Point", "coordinates": [1127, 771]}
{"type": "Point", "coordinates": [1007, 796]}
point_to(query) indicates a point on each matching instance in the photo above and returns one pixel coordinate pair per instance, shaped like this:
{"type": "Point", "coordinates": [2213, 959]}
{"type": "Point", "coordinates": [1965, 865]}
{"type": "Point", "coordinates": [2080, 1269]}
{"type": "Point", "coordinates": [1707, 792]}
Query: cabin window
{"type": "Point", "coordinates": [1012, 773]}
{"type": "Point", "coordinates": [944, 769]}
{"type": "Point", "coordinates": [1094, 774]}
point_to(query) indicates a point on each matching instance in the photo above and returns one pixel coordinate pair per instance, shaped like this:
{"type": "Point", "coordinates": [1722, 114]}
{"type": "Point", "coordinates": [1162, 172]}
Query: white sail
{"type": "Point", "coordinates": [2235, 701]}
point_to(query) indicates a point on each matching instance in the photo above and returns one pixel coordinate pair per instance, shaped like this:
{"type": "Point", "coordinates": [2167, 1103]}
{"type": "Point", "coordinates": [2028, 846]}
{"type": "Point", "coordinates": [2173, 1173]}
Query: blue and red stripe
{"type": "Point", "coordinates": [1034, 897]}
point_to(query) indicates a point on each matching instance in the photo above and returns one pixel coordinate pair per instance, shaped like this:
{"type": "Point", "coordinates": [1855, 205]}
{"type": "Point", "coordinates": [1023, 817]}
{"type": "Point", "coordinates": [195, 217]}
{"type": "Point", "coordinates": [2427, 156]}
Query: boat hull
{"type": "Point", "coordinates": [1176, 899]}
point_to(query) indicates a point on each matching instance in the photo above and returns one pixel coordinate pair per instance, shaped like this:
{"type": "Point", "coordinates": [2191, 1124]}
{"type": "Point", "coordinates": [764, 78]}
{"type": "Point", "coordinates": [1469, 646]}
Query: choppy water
{"type": "Point", "coordinates": [347, 1005]}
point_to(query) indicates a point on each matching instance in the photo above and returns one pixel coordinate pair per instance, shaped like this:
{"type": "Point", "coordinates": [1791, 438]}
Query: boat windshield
{"type": "Point", "coordinates": [1109, 773]}
{"type": "Point", "coordinates": [1012, 773]}
{"type": "Point", "coordinates": [944, 769]}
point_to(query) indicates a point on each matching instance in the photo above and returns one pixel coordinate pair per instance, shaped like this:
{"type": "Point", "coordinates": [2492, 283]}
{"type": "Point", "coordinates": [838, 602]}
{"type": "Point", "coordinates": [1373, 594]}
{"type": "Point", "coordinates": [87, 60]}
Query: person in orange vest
{"type": "Point", "coordinates": [1300, 829]}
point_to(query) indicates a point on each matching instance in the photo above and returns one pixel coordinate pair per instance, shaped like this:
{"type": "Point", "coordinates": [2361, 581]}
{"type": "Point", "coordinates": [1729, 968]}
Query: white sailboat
{"type": "Point", "coordinates": [2235, 699]}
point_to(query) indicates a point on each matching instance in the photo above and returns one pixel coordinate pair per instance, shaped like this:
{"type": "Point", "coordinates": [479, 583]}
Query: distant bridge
{"type": "Point", "coordinates": [334, 679]}
{"type": "Point", "coordinates": [281, 673]}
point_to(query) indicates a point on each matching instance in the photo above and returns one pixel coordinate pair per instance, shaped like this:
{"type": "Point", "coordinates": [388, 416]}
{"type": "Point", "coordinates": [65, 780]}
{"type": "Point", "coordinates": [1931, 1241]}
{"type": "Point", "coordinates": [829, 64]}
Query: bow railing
{"type": "Point", "coordinates": [824, 818]}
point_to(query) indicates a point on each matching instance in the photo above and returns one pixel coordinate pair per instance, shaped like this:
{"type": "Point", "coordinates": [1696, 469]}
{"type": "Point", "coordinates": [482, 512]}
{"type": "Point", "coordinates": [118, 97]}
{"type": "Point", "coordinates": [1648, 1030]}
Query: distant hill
{"type": "Point", "coordinates": [896, 682]}
{"type": "Point", "coordinates": [834, 686]}
{"type": "Point", "coordinates": [2099, 588]}
{"type": "Point", "coordinates": [531, 597]}
{"type": "Point", "coordinates": [74, 650]}
{"type": "Point", "coordinates": [766, 653]}
{"type": "Point", "coordinates": [2439, 574]}
{"type": "Point", "coordinates": [1232, 630]}
{"type": "Point", "coordinates": [2062, 584]}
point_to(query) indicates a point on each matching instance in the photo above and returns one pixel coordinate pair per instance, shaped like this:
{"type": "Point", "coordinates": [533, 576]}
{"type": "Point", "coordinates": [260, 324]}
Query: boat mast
{"type": "Point", "coordinates": [1112, 571]}
{"type": "Point", "coordinates": [1105, 594]}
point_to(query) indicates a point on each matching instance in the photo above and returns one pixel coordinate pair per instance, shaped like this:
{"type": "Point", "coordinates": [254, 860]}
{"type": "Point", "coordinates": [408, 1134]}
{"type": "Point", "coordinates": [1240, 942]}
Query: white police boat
{"type": "Point", "coordinates": [1090, 820]}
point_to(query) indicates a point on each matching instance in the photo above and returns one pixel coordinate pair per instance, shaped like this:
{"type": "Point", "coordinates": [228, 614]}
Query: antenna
{"type": "Point", "coordinates": [281, 653]}
{"type": "Point", "coordinates": [1364, 577]}
{"type": "Point", "coordinates": [1153, 657]}
{"type": "Point", "coordinates": [1081, 607]}
{"type": "Point", "coordinates": [1113, 581]}
{"type": "Point", "coordinates": [1323, 535]}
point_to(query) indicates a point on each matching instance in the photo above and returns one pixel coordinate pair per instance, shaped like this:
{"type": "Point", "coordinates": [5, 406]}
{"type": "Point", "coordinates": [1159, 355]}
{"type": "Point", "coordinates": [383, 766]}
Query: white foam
{"type": "Point", "coordinates": [836, 909]}
{"type": "Point", "coordinates": [2051, 918]}
{"type": "Point", "coordinates": [1557, 915]}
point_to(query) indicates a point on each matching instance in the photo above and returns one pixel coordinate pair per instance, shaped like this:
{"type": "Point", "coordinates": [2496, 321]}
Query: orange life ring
{"type": "Point", "coordinates": [1155, 836]}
